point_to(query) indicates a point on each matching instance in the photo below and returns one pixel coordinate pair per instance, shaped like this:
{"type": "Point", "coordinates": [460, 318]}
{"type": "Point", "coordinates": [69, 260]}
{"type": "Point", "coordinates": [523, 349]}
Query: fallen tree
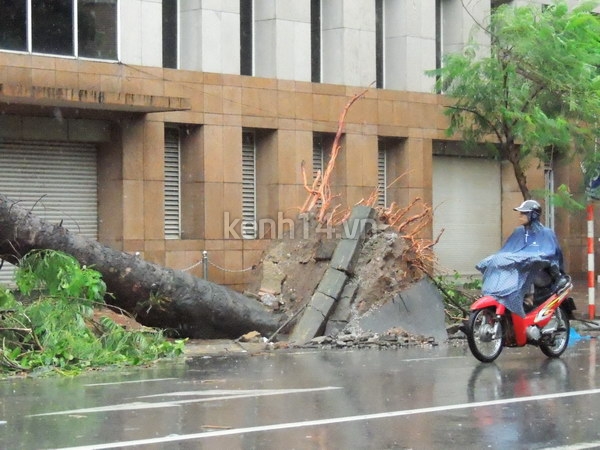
{"type": "Point", "coordinates": [157, 296]}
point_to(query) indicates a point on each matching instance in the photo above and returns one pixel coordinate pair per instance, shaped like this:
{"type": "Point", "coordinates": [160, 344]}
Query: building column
{"type": "Point", "coordinates": [409, 45]}
{"type": "Point", "coordinates": [209, 36]}
{"type": "Point", "coordinates": [458, 22]}
{"type": "Point", "coordinates": [348, 42]}
{"type": "Point", "coordinates": [412, 162]}
{"type": "Point", "coordinates": [282, 39]}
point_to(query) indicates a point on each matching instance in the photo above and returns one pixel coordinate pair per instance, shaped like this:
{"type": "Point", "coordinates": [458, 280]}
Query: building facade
{"type": "Point", "coordinates": [173, 128]}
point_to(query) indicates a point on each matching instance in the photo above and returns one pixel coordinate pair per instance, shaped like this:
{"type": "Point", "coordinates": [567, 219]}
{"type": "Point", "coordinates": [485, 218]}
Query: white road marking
{"type": "Point", "coordinates": [579, 446]}
{"type": "Point", "coordinates": [435, 358]}
{"type": "Point", "coordinates": [127, 382]}
{"type": "Point", "coordinates": [312, 423]}
{"type": "Point", "coordinates": [146, 405]}
{"type": "Point", "coordinates": [217, 392]}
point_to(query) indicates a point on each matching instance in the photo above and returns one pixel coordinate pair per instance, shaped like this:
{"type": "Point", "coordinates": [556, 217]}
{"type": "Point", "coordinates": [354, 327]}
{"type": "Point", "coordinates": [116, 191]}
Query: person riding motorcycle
{"type": "Point", "coordinates": [552, 278]}
{"type": "Point", "coordinates": [531, 256]}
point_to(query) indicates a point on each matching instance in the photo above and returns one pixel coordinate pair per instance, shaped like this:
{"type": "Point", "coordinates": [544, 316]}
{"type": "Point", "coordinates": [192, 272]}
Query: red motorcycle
{"type": "Point", "coordinates": [491, 326]}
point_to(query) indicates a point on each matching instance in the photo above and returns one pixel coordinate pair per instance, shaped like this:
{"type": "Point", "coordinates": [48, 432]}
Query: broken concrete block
{"type": "Point", "coordinates": [340, 316]}
{"type": "Point", "coordinates": [360, 222]}
{"type": "Point", "coordinates": [272, 278]}
{"type": "Point", "coordinates": [322, 303]}
{"type": "Point", "coordinates": [325, 250]}
{"type": "Point", "coordinates": [346, 255]}
{"type": "Point", "coordinates": [313, 319]}
{"type": "Point", "coordinates": [332, 283]}
{"type": "Point", "coordinates": [252, 336]}
{"type": "Point", "coordinates": [309, 326]}
{"type": "Point", "coordinates": [418, 310]}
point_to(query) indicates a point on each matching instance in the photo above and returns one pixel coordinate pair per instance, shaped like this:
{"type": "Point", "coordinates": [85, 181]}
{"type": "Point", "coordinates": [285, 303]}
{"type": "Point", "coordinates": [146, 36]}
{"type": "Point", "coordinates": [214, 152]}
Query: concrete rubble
{"type": "Point", "coordinates": [341, 268]}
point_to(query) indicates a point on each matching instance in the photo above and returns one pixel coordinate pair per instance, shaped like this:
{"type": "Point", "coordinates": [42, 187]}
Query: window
{"type": "Point", "coordinates": [249, 227]}
{"type": "Point", "coordinates": [52, 27]}
{"type": "Point", "coordinates": [97, 29]}
{"type": "Point", "coordinates": [382, 173]}
{"type": "Point", "coordinates": [379, 44]}
{"type": "Point", "coordinates": [170, 27]}
{"type": "Point", "coordinates": [83, 28]}
{"type": "Point", "coordinates": [13, 25]}
{"type": "Point", "coordinates": [246, 37]}
{"type": "Point", "coordinates": [496, 3]}
{"type": "Point", "coordinates": [315, 41]}
{"type": "Point", "coordinates": [172, 183]}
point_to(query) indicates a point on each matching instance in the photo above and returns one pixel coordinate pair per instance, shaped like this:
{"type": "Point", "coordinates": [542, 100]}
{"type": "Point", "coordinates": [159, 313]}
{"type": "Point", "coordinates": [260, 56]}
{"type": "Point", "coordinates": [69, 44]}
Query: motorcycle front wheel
{"type": "Point", "coordinates": [485, 335]}
{"type": "Point", "coordinates": [556, 343]}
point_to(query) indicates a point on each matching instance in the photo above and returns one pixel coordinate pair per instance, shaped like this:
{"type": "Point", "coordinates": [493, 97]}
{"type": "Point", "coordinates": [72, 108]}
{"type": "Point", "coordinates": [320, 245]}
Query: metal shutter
{"type": "Point", "coordinates": [248, 185]}
{"type": "Point", "coordinates": [382, 174]}
{"type": "Point", "coordinates": [172, 184]}
{"type": "Point", "coordinates": [56, 180]}
{"type": "Point", "coordinates": [467, 205]}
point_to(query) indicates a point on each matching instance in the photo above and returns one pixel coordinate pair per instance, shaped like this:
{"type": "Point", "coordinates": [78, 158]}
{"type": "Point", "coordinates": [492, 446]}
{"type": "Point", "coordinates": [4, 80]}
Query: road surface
{"type": "Point", "coordinates": [417, 398]}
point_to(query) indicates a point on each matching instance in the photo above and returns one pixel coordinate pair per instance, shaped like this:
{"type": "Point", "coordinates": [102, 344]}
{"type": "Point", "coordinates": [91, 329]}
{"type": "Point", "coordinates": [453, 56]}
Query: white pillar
{"type": "Point", "coordinates": [210, 36]}
{"type": "Point", "coordinates": [282, 39]}
{"type": "Point", "coordinates": [348, 42]}
{"type": "Point", "coordinates": [409, 44]}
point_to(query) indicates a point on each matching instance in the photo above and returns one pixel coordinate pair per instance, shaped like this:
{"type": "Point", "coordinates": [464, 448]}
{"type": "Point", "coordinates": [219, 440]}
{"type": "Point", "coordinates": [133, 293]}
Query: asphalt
{"type": "Point", "coordinates": [582, 325]}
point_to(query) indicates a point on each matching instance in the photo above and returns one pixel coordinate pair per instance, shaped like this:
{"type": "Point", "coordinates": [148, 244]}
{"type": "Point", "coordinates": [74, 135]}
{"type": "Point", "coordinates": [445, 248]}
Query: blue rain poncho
{"type": "Point", "coordinates": [509, 273]}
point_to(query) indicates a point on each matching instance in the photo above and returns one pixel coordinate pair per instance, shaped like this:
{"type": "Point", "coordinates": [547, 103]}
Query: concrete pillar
{"type": "Point", "coordinates": [141, 33]}
{"type": "Point", "coordinates": [210, 36]}
{"type": "Point", "coordinates": [409, 45]}
{"type": "Point", "coordinates": [411, 160]}
{"type": "Point", "coordinates": [282, 39]}
{"type": "Point", "coordinates": [460, 21]}
{"type": "Point", "coordinates": [348, 42]}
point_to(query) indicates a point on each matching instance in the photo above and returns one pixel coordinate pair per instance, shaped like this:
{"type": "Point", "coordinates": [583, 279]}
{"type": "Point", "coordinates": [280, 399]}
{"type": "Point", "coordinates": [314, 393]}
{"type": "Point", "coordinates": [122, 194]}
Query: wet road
{"type": "Point", "coordinates": [364, 399]}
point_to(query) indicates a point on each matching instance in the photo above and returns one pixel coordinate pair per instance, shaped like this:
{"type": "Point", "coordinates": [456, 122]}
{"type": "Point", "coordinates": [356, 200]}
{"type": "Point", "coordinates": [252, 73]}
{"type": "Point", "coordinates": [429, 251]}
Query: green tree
{"type": "Point", "coordinates": [52, 327]}
{"type": "Point", "coordinates": [538, 90]}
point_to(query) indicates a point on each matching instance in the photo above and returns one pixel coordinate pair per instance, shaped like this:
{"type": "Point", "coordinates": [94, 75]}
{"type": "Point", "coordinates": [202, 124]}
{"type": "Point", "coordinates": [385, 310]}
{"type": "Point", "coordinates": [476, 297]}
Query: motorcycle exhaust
{"type": "Point", "coordinates": [533, 333]}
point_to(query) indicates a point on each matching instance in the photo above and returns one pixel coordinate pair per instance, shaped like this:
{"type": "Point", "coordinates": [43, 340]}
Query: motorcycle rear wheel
{"type": "Point", "coordinates": [485, 345]}
{"type": "Point", "coordinates": [554, 345]}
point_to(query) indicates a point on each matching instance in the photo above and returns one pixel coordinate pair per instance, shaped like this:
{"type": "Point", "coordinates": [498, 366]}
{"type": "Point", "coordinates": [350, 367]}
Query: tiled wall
{"type": "Point", "coordinates": [131, 171]}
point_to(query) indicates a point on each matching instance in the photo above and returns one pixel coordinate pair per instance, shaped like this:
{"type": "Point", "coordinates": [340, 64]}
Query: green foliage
{"type": "Point", "coordinates": [562, 198]}
{"type": "Point", "coordinates": [458, 291]}
{"type": "Point", "coordinates": [59, 275]}
{"type": "Point", "coordinates": [57, 330]}
{"type": "Point", "coordinates": [536, 90]}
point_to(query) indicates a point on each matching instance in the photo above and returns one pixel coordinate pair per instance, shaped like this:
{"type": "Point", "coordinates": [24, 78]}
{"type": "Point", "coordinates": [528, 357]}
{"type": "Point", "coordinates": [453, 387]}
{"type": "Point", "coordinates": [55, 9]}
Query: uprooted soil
{"type": "Point", "coordinates": [291, 269]}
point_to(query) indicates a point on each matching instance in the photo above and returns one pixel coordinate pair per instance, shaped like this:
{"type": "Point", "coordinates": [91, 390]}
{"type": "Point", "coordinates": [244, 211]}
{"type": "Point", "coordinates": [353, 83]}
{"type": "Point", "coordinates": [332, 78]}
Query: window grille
{"type": "Point", "coordinates": [382, 174]}
{"type": "Point", "coordinates": [172, 183]}
{"type": "Point", "coordinates": [248, 185]}
{"type": "Point", "coordinates": [318, 162]}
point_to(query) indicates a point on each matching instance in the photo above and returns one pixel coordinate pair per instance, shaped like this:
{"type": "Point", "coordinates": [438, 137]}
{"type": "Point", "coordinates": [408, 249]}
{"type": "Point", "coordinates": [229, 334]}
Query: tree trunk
{"type": "Point", "coordinates": [157, 296]}
{"type": "Point", "coordinates": [514, 157]}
